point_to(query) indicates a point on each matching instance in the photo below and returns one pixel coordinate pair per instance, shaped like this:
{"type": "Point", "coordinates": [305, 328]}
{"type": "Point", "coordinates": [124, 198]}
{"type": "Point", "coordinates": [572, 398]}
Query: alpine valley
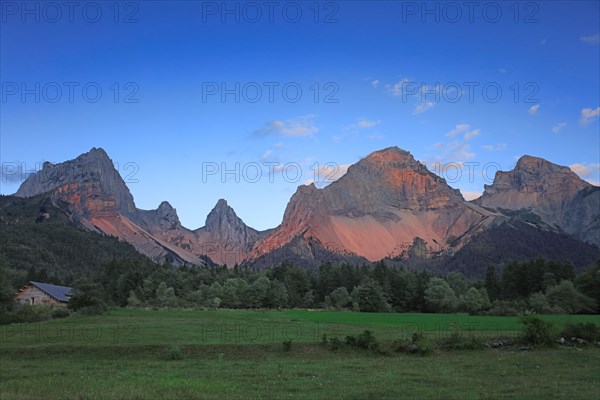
{"type": "Point", "coordinates": [388, 206]}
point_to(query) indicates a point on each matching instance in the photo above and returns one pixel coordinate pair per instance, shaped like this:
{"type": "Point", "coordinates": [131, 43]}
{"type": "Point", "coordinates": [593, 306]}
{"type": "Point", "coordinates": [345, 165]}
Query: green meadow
{"type": "Point", "coordinates": [173, 354]}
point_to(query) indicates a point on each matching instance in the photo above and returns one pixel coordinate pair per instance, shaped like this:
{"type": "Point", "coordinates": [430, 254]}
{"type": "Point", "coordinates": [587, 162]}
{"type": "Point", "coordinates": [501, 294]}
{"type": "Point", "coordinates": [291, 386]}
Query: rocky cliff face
{"type": "Point", "coordinates": [225, 238]}
{"type": "Point", "coordinates": [553, 192]}
{"type": "Point", "coordinates": [376, 210]}
{"type": "Point", "coordinates": [96, 196]}
{"type": "Point", "coordinates": [89, 183]}
{"type": "Point", "coordinates": [388, 205]}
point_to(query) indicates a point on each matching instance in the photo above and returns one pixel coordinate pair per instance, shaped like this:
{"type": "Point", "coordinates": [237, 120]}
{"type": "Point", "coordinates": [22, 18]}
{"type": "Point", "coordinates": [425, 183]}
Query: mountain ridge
{"type": "Point", "coordinates": [385, 206]}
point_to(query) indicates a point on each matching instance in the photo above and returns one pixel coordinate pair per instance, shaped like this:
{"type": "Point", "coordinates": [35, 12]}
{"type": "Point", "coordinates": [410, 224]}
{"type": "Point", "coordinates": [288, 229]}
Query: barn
{"type": "Point", "coordinates": [43, 293]}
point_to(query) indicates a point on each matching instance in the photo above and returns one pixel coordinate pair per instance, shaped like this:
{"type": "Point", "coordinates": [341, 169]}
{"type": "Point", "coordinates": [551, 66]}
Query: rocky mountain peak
{"type": "Point", "coordinates": [223, 216]}
{"type": "Point", "coordinates": [554, 192]}
{"type": "Point", "coordinates": [391, 178]}
{"type": "Point", "coordinates": [536, 175]}
{"type": "Point", "coordinates": [168, 214]}
{"type": "Point", "coordinates": [89, 178]}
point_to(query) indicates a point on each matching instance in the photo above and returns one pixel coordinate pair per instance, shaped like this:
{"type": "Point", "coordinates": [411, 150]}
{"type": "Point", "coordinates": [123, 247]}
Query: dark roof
{"type": "Point", "coordinates": [60, 293]}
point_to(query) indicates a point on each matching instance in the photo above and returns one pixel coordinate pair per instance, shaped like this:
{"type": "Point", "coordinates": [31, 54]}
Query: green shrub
{"type": "Point", "coordinates": [174, 352]}
{"type": "Point", "coordinates": [335, 343]}
{"type": "Point", "coordinates": [351, 341]}
{"type": "Point", "coordinates": [422, 345]}
{"type": "Point", "coordinates": [456, 341]}
{"type": "Point", "coordinates": [418, 344]}
{"type": "Point", "coordinates": [60, 312]}
{"type": "Point", "coordinates": [366, 340]}
{"type": "Point", "coordinates": [587, 331]}
{"type": "Point", "coordinates": [287, 345]}
{"type": "Point", "coordinates": [536, 331]}
{"type": "Point", "coordinates": [402, 346]}
{"type": "Point", "coordinates": [324, 339]}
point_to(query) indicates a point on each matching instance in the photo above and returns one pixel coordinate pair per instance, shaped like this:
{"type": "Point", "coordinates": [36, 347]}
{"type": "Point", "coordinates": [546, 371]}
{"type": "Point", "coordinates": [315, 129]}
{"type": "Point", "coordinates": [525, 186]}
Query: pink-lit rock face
{"type": "Point", "coordinates": [553, 192]}
{"type": "Point", "coordinates": [96, 196]}
{"type": "Point", "coordinates": [376, 210]}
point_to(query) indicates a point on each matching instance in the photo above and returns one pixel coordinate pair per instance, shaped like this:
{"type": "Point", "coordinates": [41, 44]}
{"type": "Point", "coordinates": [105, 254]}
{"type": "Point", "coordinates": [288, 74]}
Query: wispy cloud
{"type": "Point", "coordinates": [457, 150]}
{"type": "Point", "coordinates": [375, 82]}
{"type": "Point", "coordinates": [302, 126]}
{"type": "Point", "coordinates": [503, 71]}
{"type": "Point", "coordinates": [587, 171]}
{"type": "Point", "coordinates": [398, 88]}
{"type": "Point", "coordinates": [327, 174]}
{"type": "Point", "coordinates": [494, 147]}
{"type": "Point", "coordinates": [266, 155]}
{"type": "Point", "coordinates": [458, 129]}
{"type": "Point", "coordinates": [463, 128]}
{"type": "Point", "coordinates": [534, 109]}
{"type": "Point", "coordinates": [363, 123]}
{"type": "Point", "coordinates": [421, 108]}
{"type": "Point", "coordinates": [557, 128]}
{"type": "Point", "coordinates": [591, 39]}
{"type": "Point", "coordinates": [454, 151]}
{"type": "Point", "coordinates": [588, 115]}
{"type": "Point", "coordinates": [472, 134]}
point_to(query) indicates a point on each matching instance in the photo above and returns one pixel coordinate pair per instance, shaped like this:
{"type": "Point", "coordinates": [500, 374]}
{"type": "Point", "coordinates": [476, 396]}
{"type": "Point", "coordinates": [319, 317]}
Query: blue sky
{"type": "Point", "coordinates": [155, 84]}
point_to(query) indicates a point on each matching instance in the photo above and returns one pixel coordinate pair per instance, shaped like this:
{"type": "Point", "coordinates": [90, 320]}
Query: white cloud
{"type": "Point", "coordinates": [494, 147]}
{"type": "Point", "coordinates": [591, 39]}
{"type": "Point", "coordinates": [365, 123]}
{"type": "Point", "coordinates": [328, 173]}
{"type": "Point", "coordinates": [587, 115]}
{"type": "Point", "coordinates": [454, 151]}
{"type": "Point", "coordinates": [557, 128]}
{"type": "Point", "coordinates": [589, 172]}
{"type": "Point", "coordinates": [266, 155]}
{"type": "Point", "coordinates": [278, 145]}
{"type": "Point", "coordinates": [470, 195]}
{"type": "Point", "coordinates": [399, 87]}
{"type": "Point", "coordinates": [299, 127]}
{"type": "Point", "coordinates": [472, 134]}
{"type": "Point", "coordinates": [503, 71]}
{"type": "Point", "coordinates": [362, 123]}
{"type": "Point", "coordinates": [421, 108]}
{"type": "Point", "coordinates": [534, 109]}
{"type": "Point", "coordinates": [375, 82]}
{"type": "Point", "coordinates": [458, 129]}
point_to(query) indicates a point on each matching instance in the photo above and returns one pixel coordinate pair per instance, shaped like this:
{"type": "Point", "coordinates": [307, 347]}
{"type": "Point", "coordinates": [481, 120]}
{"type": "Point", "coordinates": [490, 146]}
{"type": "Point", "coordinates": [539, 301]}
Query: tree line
{"type": "Point", "coordinates": [538, 285]}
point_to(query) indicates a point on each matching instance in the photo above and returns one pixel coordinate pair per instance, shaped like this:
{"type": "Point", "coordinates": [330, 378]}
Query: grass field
{"type": "Point", "coordinates": [124, 354]}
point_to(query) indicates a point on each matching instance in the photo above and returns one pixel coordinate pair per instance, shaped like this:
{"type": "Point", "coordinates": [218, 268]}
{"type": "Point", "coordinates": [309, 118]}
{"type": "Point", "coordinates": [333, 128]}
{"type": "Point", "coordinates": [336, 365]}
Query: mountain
{"type": "Point", "coordinates": [96, 197]}
{"type": "Point", "coordinates": [376, 210]}
{"type": "Point", "coordinates": [387, 206]}
{"type": "Point", "coordinates": [226, 238]}
{"type": "Point", "coordinates": [552, 192]}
